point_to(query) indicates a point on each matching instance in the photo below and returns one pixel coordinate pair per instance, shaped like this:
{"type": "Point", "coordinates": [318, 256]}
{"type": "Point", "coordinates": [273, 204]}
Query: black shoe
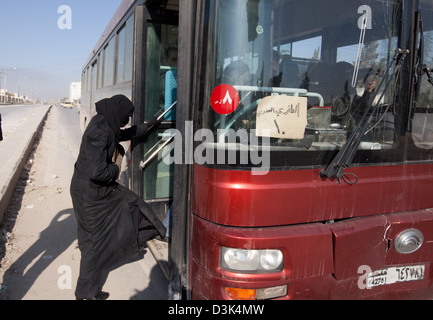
{"type": "Point", "coordinates": [101, 295]}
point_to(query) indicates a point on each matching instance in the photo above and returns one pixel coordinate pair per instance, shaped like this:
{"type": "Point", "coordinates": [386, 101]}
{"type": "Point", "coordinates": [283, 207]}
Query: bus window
{"type": "Point", "coordinates": [129, 48]}
{"type": "Point", "coordinates": [294, 48]}
{"type": "Point", "coordinates": [99, 76]}
{"type": "Point", "coordinates": [125, 52]}
{"type": "Point", "coordinates": [161, 91]}
{"type": "Point", "coordinates": [121, 38]}
{"type": "Point", "coordinates": [109, 59]}
{"type": "Point", "coordinates": [422, 123]}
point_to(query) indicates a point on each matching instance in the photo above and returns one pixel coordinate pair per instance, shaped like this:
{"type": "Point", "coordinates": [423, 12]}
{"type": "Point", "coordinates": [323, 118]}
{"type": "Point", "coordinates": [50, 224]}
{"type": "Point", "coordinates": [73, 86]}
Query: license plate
{"type": "Point", "coordinates": [395, 275]}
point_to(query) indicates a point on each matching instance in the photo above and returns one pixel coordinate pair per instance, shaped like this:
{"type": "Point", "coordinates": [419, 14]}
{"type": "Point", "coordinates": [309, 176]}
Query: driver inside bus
{"type": "Point", "coordinates": [360, 103]}
{"type": "Point", "coordinates": [112, 220]}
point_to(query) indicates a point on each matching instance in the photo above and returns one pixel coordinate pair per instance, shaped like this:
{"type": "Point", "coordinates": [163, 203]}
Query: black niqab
{"type": "Point", "coordinates": [116, 111]}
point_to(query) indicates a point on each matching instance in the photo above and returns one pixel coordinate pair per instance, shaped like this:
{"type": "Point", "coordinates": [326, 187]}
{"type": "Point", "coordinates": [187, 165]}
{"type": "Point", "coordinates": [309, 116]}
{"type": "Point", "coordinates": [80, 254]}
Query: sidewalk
{"type": "Point", "coordinates": [14, 150]}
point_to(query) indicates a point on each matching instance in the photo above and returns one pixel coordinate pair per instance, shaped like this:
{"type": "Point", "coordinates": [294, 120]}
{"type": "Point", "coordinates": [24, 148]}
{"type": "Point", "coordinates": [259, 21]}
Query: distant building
{"type": "Point", "coordinates": [75, 91]}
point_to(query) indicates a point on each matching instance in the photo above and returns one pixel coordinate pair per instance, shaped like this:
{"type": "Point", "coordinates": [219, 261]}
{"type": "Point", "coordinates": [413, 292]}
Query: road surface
{"type": "Point", "coordinates": [14, 116]}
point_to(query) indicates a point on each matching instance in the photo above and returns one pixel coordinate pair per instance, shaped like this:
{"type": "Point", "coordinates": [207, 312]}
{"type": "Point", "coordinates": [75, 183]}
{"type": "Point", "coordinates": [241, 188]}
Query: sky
{"type": "Point", "coordinates": [40, 54]}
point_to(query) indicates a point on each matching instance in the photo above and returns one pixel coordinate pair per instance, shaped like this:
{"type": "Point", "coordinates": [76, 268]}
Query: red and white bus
{"type": "Point", "coordinates": [299, 158]}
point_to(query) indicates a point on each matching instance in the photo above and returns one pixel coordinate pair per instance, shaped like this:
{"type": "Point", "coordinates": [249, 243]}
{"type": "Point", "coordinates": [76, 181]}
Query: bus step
{"type": "Point", "coordinates": [159, 250]}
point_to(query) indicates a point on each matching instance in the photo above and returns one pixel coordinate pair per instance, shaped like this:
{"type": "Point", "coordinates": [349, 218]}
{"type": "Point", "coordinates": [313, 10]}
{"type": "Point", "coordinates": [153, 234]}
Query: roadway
{"type": "Point", "coordinates": [20, 124]}
{"type": "Point", "coordinates": [15, 116]}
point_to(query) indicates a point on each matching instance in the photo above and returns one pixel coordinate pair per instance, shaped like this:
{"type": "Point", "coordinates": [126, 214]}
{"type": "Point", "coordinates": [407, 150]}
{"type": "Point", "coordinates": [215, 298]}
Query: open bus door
{"type": "Point", "coordinates": [155, 83]}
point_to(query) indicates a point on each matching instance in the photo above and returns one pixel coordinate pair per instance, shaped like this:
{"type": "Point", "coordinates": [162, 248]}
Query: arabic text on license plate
{"type": "Point", "coordinates": [394, 275]}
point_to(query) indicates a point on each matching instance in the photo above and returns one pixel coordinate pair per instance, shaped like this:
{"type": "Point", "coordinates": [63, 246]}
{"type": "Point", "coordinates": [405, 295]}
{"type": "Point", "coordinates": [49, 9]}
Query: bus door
{"type": "Point", "coordinates": [155, 91]}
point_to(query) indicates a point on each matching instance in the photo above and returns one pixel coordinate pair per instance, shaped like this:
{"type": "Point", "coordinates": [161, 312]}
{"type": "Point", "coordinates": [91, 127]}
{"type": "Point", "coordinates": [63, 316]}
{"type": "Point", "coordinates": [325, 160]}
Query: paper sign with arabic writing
{"type": "Point", "coordinates": [283, 117]}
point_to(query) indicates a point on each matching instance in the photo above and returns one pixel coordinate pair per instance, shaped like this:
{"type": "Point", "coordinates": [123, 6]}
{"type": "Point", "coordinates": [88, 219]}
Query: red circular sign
{"type": "Point", "coordinates": [224, 99]}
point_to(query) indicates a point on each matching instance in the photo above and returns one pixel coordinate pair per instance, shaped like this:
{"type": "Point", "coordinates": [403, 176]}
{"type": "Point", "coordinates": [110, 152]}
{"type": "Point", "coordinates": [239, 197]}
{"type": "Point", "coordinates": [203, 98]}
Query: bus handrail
{"type": "Point", "coordinates": [144, 163]}
{"type": "Point", "coordinates": [166, 111]}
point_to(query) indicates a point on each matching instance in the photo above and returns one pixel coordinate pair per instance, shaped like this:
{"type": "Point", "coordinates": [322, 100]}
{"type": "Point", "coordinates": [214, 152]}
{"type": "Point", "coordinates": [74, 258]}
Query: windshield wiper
{"type": "Point", "coordinates": [344, 157]}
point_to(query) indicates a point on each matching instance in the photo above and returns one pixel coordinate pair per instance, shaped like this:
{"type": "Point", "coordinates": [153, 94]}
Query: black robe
{"type": "Point", "coordinates": [107, 213]}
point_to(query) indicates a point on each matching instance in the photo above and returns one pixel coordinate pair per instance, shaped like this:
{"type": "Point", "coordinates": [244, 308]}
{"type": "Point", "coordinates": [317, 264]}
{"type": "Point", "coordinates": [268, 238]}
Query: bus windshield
{"type": "Point", "coordinates": [302, 73]}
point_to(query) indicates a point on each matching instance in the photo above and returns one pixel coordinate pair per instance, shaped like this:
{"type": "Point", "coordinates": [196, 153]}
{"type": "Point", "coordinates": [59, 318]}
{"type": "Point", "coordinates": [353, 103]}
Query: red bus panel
{"type": "Point", "coordinates": [321, 261]}
{"type": "Point", "coordinates": [237, 198]}
{"type": "Point", "coordinates": [293, 211]}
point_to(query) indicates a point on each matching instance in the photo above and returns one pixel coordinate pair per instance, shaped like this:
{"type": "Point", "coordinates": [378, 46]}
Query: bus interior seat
{"type": "Point", "coordinates": [318, 80]}
{"type": "Point", "coordinates": [333, 82]}
{"type": "Point", "coordinates": [343, 91]}
{"type": "Point", "coordinates": [290, 74]}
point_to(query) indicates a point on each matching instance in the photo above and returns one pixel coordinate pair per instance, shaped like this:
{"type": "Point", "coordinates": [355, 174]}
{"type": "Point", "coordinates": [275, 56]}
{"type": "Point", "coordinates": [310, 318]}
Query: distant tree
{"type": "Point", "coordinates": [369, 55]}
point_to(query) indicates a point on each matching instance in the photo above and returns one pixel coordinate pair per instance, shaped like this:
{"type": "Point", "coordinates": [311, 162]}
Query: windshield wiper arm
{"type": "Point", "coordinates": [344, 157]}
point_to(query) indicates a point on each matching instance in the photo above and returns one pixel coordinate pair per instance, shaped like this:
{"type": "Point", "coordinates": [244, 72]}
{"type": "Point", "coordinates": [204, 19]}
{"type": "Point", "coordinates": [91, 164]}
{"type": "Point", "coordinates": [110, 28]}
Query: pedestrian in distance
{"type": "Point", "coordinates": [113, 221]}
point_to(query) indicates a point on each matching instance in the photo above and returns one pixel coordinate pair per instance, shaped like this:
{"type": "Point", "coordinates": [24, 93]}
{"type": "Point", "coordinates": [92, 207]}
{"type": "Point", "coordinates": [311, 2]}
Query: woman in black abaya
{"type": "Point", "coordinates": [109, 215]}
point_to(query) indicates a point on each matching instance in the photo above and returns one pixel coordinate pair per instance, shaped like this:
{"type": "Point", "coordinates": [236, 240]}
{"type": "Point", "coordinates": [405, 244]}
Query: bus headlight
{"type": "Point", "coordinates": [251, 261]}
